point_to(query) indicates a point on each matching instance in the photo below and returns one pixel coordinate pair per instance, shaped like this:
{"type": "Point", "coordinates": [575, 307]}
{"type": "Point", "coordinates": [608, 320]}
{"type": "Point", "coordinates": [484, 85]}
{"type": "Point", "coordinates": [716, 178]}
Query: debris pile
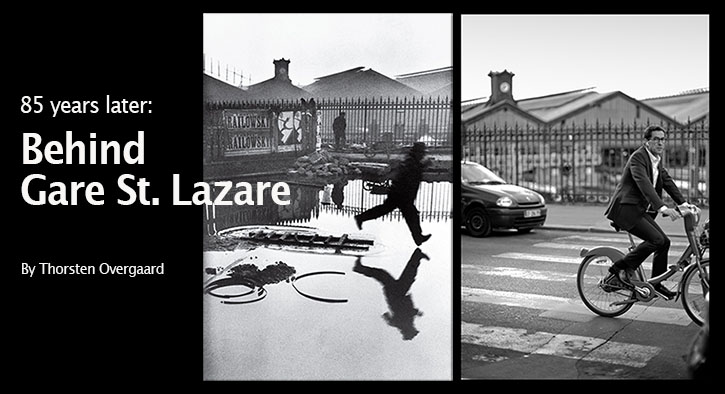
{"type": "Point", "coordinates": [322, 164]}
{"type": "Point", "coordinates": [274, 273]}
{"type": "Point", "coordinates": [271, 274]}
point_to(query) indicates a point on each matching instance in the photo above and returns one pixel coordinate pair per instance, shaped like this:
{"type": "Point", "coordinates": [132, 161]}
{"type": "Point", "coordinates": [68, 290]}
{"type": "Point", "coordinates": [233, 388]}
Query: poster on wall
{"type": "Point", "coordinates": [289, 135]}
{"type": "Point", "coordinates": [249, 132]}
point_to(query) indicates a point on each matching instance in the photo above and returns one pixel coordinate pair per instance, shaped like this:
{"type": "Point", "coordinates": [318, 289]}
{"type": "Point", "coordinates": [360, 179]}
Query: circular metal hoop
{"type": "Point", "coordinates": [316, 298]}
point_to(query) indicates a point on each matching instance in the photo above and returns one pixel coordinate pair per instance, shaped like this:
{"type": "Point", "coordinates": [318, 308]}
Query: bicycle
{"type": "Point", "coordinates": [605, 295]}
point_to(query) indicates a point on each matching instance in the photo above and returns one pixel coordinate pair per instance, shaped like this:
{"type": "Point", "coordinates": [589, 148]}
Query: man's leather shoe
{"type": "Point", "coordinates": [626, 275]}
{"type": "Point", "coordinates": [665, 292]}
{"type": "Point", "coordinates": [422, 239]}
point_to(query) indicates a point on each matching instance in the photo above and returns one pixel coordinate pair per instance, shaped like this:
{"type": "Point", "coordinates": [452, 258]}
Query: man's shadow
{"type": "Point", "coordinates": [402, 311]}
{"type": "Point", "coordinates": [338, 196]}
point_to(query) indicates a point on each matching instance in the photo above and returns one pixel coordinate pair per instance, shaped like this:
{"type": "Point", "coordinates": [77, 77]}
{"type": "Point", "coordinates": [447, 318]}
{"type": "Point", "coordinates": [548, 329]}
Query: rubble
{"type": "Point", "coordinates": [322, 164]}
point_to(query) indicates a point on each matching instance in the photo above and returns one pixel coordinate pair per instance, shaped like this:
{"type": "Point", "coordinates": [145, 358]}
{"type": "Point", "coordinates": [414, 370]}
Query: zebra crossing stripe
{"type": "Point", "coordinates": [539, 257]}
{"type": "Point", "coordinates": [563, 308]}
{"type": "Point", "coordinates": [624, 241]}
{"type": "Point", "coordinates": [560, 345]}
{"type": "Point", "coordinates": [518, 273]}
{"type": "Point", "coordinates": [554, 245]}
{"type": "Point", "coordinates": [647, 265]}
{"type": "Point", "coordinates": [527, 274]}
{"type": "Point", "coordinates": [508, 298]}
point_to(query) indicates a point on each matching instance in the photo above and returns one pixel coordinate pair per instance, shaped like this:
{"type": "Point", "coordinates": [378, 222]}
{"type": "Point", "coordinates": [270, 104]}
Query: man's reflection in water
{"type": "Point", "coordinates": [337, 193]}
{"type": "Point", "coordinates": [402, 312]}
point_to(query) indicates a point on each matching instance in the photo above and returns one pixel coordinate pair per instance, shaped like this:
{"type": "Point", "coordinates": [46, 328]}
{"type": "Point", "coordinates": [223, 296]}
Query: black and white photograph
{"type": "Point", "coordinates": [328, 239]}
{"type": "Point", "coordinates": [585, 187]}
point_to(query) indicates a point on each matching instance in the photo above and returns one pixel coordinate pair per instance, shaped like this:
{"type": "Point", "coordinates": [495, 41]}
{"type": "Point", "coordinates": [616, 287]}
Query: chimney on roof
{"type": "Point", "coordinates": [281, 69]}
{"type": "Point", "coordinates": [501, 86]}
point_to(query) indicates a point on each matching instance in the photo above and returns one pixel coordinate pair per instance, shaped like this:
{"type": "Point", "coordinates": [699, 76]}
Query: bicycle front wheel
{"type": "Point", "coordinates": [608, 300]}
{"type": "Point", "coordinates": [695, 285]}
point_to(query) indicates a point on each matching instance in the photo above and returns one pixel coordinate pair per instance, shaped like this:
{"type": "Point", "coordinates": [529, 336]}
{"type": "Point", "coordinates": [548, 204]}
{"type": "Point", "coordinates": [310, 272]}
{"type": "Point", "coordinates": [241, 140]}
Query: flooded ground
{"type": "Point", "coordinates": [379, 314]}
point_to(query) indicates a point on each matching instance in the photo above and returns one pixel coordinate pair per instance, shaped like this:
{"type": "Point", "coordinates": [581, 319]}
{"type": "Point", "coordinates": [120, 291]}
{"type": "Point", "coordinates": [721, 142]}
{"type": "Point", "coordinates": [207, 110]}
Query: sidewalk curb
{"type": "Point", "coordinates": [587, 229]}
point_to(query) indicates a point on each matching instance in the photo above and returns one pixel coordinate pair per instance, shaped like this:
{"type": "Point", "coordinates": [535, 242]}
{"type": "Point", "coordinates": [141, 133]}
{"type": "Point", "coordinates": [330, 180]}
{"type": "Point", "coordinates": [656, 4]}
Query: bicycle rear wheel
{"type": "Point", "coordinates": [695, 286]}
{"type": "Point", "coordinates": [601, 298]}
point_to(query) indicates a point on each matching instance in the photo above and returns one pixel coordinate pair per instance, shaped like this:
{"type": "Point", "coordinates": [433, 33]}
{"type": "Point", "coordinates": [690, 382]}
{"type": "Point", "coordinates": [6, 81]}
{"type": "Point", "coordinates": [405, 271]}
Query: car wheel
{"type": "Point", "coordinates": [477, 223]}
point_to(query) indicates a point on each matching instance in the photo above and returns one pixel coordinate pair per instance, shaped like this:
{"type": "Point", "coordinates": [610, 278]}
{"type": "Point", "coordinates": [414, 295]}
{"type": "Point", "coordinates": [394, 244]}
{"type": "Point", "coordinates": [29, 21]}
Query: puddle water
{"type": "Point", "coordinates": [382, 314]}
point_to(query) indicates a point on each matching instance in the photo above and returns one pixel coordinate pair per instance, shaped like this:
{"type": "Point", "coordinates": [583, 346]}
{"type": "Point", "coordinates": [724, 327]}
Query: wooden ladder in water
{"type": "Point", "coordinates": [293, 238]}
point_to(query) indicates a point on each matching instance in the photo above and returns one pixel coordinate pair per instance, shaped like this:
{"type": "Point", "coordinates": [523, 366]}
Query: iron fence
{"type": "Point", "coordinates": [395, 122]}
{"type": "Point", "coordinates": [583, 163]}
{"type": "Point", "coordinates": [400, 121]}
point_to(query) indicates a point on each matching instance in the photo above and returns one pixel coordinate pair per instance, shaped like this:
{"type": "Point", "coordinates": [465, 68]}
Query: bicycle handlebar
{"type": "Point", "coordinates": [686, 209]}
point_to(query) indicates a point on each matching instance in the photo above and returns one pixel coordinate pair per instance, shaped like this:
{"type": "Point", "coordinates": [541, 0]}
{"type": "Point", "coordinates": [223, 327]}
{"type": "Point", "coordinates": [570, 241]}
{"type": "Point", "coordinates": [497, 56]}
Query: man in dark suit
{"type": "Point", "coordinates": [339, 125]}
{"type": "Point", "coordinates": [635, 204]}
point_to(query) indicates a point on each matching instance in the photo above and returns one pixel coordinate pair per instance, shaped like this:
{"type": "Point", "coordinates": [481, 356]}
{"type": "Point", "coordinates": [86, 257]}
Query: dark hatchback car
{"type": "Point", "coordinates": [490, 203]}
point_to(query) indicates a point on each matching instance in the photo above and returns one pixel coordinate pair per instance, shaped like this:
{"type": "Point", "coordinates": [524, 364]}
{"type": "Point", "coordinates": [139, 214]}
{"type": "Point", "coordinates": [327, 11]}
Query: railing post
{"type": "Point", "coordinates": [516, 153]}
{"type": "Point", "coordinates": [693, 161]}
{"type": "Point", "coordinates": [574, 142]}
{"type": "Point", "coordinates": [365, 119]}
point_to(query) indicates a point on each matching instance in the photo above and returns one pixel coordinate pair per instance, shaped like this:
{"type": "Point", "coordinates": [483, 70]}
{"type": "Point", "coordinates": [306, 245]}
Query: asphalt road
{"type": "Point", "coordinates": [521, 316]}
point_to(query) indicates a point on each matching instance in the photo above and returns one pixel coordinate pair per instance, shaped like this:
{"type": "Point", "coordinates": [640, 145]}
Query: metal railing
{"type": "Point", "coordinates": [401, 121]}
{"type": "Point", "coordinates": [395, 122]}
{"type": "Point", "coordinates": [584, 162]}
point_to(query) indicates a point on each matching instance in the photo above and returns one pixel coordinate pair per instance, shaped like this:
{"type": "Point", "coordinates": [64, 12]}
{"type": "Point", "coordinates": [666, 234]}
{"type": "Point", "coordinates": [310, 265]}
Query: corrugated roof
{"type": "Point", "coordinates": [443, 92]}
{"type": "Point", "coordinates": [468, 105]}
{"type": "Point", "coordinates": [359, 82]}
{"type": "Point", "coordinates": [482, 109]}
{"type": "Point", "coordinates": [553, 100]}
{"type": "Point", "coordinates": [216, 90]}
{"type": "Point", "coordinates": [542, 104]}
{"type": "Point", "coordinates": [566, 107]}
{"type": "Point", "coordinates": [339, 74]}
{"type": "Point", "coordinates": [474, 112]}
{"type": "Point", "coordinates": [276, 89]}
{"type": "Point", "coordinates": [692, 106]}
{"type": "Point", "coordinates": [429, 81]}
{"type": "Point", "coordinates": [425, 72]}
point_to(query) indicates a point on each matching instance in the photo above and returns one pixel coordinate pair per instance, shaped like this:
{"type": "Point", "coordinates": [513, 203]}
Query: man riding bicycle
{"type": "Point", "coordinates": [636, 201]}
